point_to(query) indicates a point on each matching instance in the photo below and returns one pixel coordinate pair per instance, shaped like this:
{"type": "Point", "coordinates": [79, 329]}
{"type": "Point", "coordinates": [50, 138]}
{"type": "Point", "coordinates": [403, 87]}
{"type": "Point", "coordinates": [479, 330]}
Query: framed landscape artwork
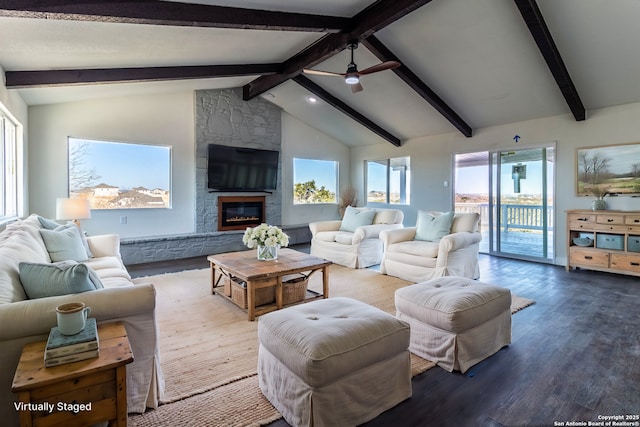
{"type": "Point", "coordinates": [608, 169]}
{"type": "Point", "coordinates": [118, 175]}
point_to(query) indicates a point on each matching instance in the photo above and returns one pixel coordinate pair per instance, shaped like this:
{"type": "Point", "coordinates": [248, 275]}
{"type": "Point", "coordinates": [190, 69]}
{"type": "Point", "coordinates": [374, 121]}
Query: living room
{"type": "Point", "coordinates": [169, 116]}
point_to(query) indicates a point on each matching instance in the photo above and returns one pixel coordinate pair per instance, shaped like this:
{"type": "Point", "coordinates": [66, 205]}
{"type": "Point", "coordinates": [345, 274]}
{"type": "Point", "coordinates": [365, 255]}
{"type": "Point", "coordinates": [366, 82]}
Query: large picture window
{"type": "Point", "coordinates": [314, 181]}
{"type": "Point", "coordinates": [117, 175]}
{"type": "Point", "coordinates": [389, 181]}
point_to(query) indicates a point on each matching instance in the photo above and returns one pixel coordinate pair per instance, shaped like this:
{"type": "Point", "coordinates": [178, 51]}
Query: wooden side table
{"type": "Point", "coordinates": [78, 393]}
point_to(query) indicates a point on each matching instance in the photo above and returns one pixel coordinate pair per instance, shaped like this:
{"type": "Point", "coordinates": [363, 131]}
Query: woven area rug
{"type": "Point", "coordinates": [209, 351]}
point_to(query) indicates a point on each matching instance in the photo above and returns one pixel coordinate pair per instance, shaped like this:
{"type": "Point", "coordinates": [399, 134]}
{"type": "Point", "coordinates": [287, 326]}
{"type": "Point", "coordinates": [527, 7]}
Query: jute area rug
{"type": "Point", "coordinates": [209, 351]}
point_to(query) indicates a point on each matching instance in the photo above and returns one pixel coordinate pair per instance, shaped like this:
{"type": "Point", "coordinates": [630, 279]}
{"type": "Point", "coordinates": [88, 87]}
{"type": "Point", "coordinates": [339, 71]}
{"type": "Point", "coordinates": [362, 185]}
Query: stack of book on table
{"type": "Point", "coordinates": [72, 348]}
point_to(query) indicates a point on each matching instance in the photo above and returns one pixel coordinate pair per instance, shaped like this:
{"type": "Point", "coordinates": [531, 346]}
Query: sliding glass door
{"type": "Point", "coordinates": [513, 192]}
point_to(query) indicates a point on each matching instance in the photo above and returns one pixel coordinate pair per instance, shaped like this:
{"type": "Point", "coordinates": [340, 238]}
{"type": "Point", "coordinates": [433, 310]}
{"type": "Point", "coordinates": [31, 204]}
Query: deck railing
{"type": "Point", "coordinates": [514, 217]}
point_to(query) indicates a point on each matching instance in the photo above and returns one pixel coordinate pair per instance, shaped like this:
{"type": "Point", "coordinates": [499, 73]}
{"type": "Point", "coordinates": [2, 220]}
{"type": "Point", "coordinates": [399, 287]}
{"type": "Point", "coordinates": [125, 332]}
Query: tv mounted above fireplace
{"type": "Point", "coordinates": [234, 169]}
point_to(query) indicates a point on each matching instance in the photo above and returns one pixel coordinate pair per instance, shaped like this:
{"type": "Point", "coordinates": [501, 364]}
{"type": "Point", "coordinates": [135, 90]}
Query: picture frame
{"type": "Point", "coordinates": [608, 169]}
{"type": "Point", "coordinates": [119, 175]}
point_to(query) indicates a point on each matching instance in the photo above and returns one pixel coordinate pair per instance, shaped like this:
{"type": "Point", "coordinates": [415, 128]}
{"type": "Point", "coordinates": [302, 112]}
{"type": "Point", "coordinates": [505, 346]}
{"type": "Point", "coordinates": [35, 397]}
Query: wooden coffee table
{"type": "Point", "coordinates": [244, 266]}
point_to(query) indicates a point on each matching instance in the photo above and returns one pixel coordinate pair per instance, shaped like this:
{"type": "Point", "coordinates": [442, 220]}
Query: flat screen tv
{"type": "Point", "coordinates": [241, 169]}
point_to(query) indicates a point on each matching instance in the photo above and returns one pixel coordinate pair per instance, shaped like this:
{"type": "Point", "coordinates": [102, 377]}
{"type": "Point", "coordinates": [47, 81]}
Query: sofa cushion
{"type": "Point", "coordinates": [344, 238]}
{"type": "Point", "coordinates": [354, 218]}
{"type": "Point", "coordinates": [64, 243]}
{"type": "Point", "coordinates": [59, 278]}
{"type": "Point", "coordinates": [419, 248]}
{"type": "Point", "coordinates": [388, 216]}
{"type": "Point", "coordinates": [326, 236]}
{"type": "Point", "coordinates": [17, 245]}
{"type": "Point", "coordinates": [431, 227]}
{"type": "Point", "coordinates": [465, 222]}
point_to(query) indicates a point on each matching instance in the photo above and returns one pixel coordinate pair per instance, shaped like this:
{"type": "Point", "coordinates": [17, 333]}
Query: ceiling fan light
{"type": "Point", "coordinates": [351, 80]}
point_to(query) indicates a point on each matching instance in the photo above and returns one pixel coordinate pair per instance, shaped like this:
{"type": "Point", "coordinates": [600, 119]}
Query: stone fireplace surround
{"type": "Point", "coordinates": [221, 117]}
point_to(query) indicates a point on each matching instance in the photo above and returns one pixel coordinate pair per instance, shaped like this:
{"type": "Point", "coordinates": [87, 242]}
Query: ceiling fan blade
{"type": "Point", "coordinates": [321, 73]}
{"type": "Point", "coordinates": [355, 88]}
{"type": "Point", "coordinates": [389, 65]}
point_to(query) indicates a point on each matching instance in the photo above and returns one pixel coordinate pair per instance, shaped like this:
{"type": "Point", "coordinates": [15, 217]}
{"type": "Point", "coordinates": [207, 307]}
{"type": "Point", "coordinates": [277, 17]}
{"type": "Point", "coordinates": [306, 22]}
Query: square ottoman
{"type": "Point", "coordinates": [455, 322]}
{"type": "Point", "coordinates": [333, 362]}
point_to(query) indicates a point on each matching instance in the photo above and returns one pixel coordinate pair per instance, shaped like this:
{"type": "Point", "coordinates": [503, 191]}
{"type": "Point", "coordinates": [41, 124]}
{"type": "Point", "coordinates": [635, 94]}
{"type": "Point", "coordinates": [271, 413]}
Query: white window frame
{"type": "Point", "coordinates": [392, 172]}
{"type": "Point", "coordinates": [11, 160]}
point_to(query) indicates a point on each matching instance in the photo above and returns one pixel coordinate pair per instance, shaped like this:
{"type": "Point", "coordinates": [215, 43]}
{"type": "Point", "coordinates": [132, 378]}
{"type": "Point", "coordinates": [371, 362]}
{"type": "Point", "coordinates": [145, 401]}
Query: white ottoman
{"type": "Point", "coordinates": [455, 322]}
{"type": "Point", "coordinates": [333, 362]}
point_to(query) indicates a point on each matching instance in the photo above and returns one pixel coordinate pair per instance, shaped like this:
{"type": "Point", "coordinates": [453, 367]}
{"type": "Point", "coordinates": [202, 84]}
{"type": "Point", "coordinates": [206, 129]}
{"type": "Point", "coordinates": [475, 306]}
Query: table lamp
{"type": "Point", "coordinates": [72, 209]}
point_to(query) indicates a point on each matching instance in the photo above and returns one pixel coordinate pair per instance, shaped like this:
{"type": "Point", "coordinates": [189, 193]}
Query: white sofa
{"type": "Point", "coordinates": [455, 254]}
{"type": "Point", "coordinates": [24, 320]}
{"type": "Point", "coordinates": [359, 248]}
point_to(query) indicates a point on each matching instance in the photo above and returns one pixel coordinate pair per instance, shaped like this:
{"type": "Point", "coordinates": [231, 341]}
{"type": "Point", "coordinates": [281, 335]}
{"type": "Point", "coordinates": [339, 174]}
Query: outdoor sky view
{"type": "Point", "coordinates": [325, 174]}
{"type": "Point", "coordinates": [115, 175]}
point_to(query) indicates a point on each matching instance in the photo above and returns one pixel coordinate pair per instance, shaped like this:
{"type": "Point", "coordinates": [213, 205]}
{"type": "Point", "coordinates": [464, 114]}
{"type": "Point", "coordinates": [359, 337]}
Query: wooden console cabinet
{"type": "Point", "coordinates": [616, 241]}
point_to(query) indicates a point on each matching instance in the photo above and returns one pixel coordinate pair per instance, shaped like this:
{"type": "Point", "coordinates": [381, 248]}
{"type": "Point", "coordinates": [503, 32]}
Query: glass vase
{"type": "Point", "coordinates": [268, 253]}
{"type": "Point", "coordinates": [598, 205]}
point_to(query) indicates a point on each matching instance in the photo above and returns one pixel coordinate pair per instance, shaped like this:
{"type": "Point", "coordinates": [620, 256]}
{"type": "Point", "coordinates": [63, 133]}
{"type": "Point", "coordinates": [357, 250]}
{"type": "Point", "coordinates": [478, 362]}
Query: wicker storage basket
{"type": "Point", "coordinates": [263, 295]}
{"type": "Point", "coordinates": [294, 288]}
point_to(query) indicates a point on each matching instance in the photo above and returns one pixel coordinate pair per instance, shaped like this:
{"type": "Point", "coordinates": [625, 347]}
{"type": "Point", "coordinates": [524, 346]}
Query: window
{"type": "Point", "coordinates": [389, 181]}
{"type": "Point", "coordinates": [10, 163]}
{"type": "Point", "coordinates": [314, 181]}
{"type": "Point", "coordinates": [116, 175]}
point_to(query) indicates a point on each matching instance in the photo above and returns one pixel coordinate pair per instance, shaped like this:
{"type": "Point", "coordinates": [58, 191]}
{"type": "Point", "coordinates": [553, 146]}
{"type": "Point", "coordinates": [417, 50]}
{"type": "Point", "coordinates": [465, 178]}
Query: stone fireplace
{"type": "Point", "coordinates": [238, 213]}
{"type": "Point", "coordinates": [223, 117]}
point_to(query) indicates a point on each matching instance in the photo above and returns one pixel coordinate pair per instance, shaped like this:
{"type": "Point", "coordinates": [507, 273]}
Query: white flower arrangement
{"type": "Point", "coordinates": [264, 235]}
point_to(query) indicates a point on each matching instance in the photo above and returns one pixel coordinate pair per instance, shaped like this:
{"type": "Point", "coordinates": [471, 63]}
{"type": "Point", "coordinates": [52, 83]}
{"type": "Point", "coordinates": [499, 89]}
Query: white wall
{"type": "Point", "coordinates": [163, 119]}
{"type": "Point", "coordinates": [431, 159]}
{"type": "Point", "coordinates": [300, 140]}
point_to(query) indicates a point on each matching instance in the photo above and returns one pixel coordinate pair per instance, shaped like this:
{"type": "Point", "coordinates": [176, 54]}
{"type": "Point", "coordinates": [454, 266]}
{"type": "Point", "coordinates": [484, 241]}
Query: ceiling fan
{"type": "Point", "coordinates": [352, 75]}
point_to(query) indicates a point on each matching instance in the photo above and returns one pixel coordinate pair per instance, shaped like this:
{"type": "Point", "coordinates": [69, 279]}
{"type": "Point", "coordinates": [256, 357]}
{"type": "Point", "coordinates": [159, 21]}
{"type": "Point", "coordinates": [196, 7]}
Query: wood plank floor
{"type": "Point", "coordinates": [575, 354]}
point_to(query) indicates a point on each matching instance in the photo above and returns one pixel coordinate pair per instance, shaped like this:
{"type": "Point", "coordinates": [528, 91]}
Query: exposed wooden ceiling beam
{"type": "Point", "coordinates": [377, 16]}
{"type": "Point", "coordinates": [23, 79]}
{"type": "Point", "coordinates": [346, 109]}
{"type": "Point", "coordinates": [171, 13]}
{"type": "Point", "coordinates": [409, 77]}
{"type": "Point", "coordinates": [540, 32]}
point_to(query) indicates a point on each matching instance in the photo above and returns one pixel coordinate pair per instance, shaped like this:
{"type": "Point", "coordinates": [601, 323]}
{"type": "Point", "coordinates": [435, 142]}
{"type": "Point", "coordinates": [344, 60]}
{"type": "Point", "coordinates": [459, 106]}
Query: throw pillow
{"type": "Point", "coordinates": [354, 218]}
{"type": "Point", "coordinates": [47, 223]}
{"type": "Point", "coordinates": [61, 278]}
{"type": "Point", "coordinates": [432, 228]}
{"type": "Point", "coordinates": [85, 242]}
{"type": "Point", "coordinates": [64, 243]}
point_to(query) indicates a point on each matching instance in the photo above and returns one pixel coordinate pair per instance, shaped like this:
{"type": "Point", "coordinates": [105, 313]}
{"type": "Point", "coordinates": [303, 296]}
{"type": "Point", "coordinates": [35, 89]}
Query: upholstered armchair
{"type": "Point", "coordinates": [439, 245]}
{"type": "Point", "coordinates": [354, 241]}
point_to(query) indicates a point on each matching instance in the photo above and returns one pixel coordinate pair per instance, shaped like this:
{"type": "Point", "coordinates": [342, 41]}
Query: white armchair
{"type": "Point", "coordinates": [455, 254]}
{"type": "Point", "coordinates": [353, 245]}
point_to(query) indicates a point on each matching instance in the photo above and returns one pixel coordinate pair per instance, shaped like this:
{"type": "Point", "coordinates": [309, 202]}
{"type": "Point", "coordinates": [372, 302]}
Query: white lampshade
{"type": "Point", "coordinates": [72, 209]}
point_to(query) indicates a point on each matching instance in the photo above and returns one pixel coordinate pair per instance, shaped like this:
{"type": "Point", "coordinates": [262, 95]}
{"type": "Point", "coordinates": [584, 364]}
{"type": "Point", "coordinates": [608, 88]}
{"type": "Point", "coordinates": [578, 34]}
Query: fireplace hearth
{"type": "Point", "coordinates": [238, 213]}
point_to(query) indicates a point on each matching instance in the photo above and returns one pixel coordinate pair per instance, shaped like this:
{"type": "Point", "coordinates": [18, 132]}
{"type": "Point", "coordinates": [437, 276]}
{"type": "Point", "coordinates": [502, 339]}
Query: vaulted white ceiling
{"type": "Point", "coordinates": [478, 56]}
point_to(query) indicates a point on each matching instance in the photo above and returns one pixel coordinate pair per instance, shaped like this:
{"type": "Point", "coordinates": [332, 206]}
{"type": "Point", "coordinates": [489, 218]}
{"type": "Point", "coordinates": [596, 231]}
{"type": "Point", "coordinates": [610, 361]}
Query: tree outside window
{"type": "Point", "coordinates": [314, 181]}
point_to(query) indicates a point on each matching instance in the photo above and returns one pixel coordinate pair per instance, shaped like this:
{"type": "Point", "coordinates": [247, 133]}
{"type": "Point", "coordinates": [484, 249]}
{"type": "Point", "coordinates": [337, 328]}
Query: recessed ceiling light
{"type": "Point", "coordinates": [312, 99]}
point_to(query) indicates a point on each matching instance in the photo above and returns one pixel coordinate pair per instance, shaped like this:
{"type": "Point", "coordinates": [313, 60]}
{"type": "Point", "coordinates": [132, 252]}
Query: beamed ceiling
{"type": "Point", "coordinates": [464, 64]}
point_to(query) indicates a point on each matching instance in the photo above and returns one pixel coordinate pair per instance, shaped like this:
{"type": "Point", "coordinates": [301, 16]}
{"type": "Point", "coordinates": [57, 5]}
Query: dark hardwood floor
{"type": "Point", "coordinates": [574, 357]}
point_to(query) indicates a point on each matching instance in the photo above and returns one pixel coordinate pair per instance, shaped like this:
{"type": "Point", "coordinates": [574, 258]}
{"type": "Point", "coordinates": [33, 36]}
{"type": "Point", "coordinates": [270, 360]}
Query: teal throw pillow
{"type": "Point", "coordinates": [61, 278]}
{"type": "Point", "coordinates": [48, 223]}
{"type": "Point", "coordinates": [64, 243]}
{"type": "Point", "coordinates": [52, 225]}
{"type": "Point", "coordinates": [432, 228]}
{"type": "Point", "coordinates": [354, 218]}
